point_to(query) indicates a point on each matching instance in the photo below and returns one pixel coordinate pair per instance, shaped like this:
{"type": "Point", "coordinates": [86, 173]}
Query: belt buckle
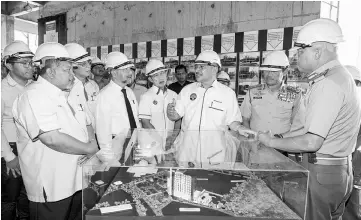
{"type": "Point", "coordinates": [312, 158]}
{"type": "Point", "coordinates": [298, 157]}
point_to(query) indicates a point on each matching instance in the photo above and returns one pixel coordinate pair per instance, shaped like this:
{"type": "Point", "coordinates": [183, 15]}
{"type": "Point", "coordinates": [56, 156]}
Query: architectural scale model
{"type": "Point", "coordinates": [248, 196]}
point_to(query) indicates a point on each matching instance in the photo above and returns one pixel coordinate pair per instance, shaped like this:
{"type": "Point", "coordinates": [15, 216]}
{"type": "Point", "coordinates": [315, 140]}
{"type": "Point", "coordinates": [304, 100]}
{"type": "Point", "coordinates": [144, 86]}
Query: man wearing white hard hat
{"type": "Point", "coordinates": [100, 75]}
{"type": "Point", "coordinates": [18, 62]}
{"type": "Point", "coordinates": [51, 140]}
{"type": "Point", "coordinates": [272, 106]}
{"type": "Point", "coordinates": [223, 78]}
{"type": "Point", "coordinates": [117, 107]}
{"type": "Point", "coordinates": [84, 92]}
{"type": "Point", "coordinates": [353, 205]}
{"type": "Point", "coordinates": [331, 123]}
{"type": "Point", "coordinates": [207, 108]}
{"type": "Point", "coordinates": [153, 104]}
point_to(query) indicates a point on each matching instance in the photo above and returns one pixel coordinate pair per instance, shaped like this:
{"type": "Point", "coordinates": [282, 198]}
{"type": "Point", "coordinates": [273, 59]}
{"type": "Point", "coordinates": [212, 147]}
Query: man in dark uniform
{"type": "Point", "coordinates": [181, 75]}
{"type": "Point", "coordinates": [331, 123]}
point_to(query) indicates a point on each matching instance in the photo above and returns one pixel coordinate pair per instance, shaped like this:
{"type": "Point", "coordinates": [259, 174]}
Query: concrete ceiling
{"type": "Point", "coordinates": [33, 10]}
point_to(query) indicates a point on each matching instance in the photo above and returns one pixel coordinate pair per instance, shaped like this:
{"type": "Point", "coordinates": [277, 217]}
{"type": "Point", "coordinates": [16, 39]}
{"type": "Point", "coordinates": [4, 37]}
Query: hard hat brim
{"type": "Point", "coordinates": [200, 62]}
{"type": "Point", "coordinates": [269, 69]}
{"type": "Point", "coordinates": [95, 64]}
{"type": "Point", "coordinates": [58, 58]}
{"type": "Point", "coordinates": [121, 67]}
{"type": "Point", "coordinates": [151, 73]}
{"type": "Point", "coordinates": [223, 80]}
{"type": "Point", "coordinates": [82, 60]}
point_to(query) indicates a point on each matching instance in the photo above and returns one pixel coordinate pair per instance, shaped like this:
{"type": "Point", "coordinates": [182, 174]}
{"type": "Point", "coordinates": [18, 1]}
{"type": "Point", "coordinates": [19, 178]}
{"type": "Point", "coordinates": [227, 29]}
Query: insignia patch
{"type": "Point", "coordinates": [193, 96]}
{"type": "Point", "coordinates": [155, 102]}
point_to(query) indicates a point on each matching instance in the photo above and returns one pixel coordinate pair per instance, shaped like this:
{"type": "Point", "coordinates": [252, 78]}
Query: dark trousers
{"type": "Point", "coordinates": [353, 205]}
{"type": "Point", "coordinates": [329, 188]}
{"type": "Point", "coordinates": [66, 209]}
{"type": "Point", "coordinates": [14, 200]}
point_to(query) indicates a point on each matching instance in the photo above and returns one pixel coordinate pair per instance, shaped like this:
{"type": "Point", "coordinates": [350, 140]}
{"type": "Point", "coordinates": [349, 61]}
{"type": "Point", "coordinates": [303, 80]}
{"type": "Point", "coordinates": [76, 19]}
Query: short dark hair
{"type": "Point", "coordinates": [181, 66]}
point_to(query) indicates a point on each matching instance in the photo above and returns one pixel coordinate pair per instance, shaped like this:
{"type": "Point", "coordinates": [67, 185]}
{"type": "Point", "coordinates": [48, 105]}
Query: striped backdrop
{"type": "Point", "coordinates": [261, 40]}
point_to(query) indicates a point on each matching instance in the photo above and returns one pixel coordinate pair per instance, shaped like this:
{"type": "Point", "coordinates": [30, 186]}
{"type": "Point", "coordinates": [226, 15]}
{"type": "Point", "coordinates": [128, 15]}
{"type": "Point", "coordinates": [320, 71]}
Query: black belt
{"type": "Point", "coordinates": [313, 158]}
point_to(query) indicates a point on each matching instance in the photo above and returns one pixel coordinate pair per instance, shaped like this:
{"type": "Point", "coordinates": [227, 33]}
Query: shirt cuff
{"type": "Point", "coordinates": [9, 157]}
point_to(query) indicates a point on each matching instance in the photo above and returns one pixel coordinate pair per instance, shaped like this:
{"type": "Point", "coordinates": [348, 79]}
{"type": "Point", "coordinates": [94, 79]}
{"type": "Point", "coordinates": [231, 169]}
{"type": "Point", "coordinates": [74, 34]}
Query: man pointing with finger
{"type": "Point", "coordinates": [208, 108]}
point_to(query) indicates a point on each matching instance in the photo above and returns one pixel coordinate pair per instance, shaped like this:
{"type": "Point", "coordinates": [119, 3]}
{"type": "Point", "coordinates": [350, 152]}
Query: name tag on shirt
{"type": "Point", "coordinates": [257, 97]}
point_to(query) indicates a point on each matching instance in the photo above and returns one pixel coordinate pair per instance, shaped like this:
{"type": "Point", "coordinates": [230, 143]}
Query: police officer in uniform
{"type": "Point", "coordinates": [116, 110]}
{"type": "Point", "coordinates": [207, 108]}
{"type": "Point", "coordinates": [273, 105]}
{"type": "Point", "coordinates": [18, 61]}
{"type": "Point", "coordinates": [51, 140]}
{"type": "Point", "coordinates": [332, 121]}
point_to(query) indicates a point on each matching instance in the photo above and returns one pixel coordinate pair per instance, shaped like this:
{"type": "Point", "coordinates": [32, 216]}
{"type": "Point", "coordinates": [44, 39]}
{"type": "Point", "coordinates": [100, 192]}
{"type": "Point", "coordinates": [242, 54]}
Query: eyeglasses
{"type": "Point", "coordinates": [302, 45]}
{"type": "Point", "coordinates": [25, 64]}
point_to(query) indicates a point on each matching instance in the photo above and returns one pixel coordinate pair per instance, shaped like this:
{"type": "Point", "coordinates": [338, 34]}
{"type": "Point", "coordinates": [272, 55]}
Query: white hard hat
{"type": "Point", "coordinates": [319, 30]}
{"type": "Point", "coordinates": [97, 61]}
{"type": "Point", "coordinates": [275, 61]}
{"type": "Point", "coordinates": [153, 66]}
{"type": "Point", "coordinates": [223, 76]}
{"type": "Point", "coordinates": [117, 60]}
{"type": "Point", "coordinates": [51, 49]}
{"type": "Point", "coordinates": [77, 52]}
{"type": "Point", "coordinates": [356, 74]}
{"type": "Point", "coordinates": [17, 49]}
{"type": "Point", "coordinates": [208, 57]}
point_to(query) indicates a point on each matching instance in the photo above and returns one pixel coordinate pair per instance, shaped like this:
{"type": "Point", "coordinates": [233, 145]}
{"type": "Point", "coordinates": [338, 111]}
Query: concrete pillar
{"type": "Point", "coordinates": [7, 30]}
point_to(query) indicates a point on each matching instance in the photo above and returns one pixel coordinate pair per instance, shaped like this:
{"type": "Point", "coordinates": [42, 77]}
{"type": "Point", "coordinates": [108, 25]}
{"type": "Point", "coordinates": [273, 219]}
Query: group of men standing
{"type": "Point", "coordinates": [54, 117]}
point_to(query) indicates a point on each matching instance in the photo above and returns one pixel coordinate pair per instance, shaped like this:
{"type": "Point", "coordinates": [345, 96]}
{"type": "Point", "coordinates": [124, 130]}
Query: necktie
{"type": "Point", "coordinates": [129, 110]}
{"type": "Point", "coordinates": [86, 95]}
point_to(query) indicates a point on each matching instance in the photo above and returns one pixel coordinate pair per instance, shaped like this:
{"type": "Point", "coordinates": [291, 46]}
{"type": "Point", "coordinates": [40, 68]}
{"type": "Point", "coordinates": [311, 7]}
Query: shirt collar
{"type": "Point", "coordinates": [319, 73]}
{"type": "Point", "coordinates": [157, 90]}
{"type": "Point", "coordinates": [13, 83]}
{"type": "Point", "coordinates": [215, 84]}
{"type": "Point", "coordinates": [50, 88]}
{"type": "Point", "coordinates": [116, 85]}
{"type": "Point", "coordinates": [184, 84]}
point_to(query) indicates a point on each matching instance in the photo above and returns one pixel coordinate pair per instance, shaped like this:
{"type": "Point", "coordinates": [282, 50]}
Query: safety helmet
{"type": "Point", "coordinates": [77, 53]}
{"type": "Point", "coordinates": [53, 50]}
{"type": "Point", "coordinates": [208, 57]}
{"type": "Point", "coordinates": [154, 66]}
{"type": "Point", "coordinates": [223, 76]}
{"type": "Point", "coordinates": [17, 49]}
{"type": "Point", "coordinates": [356, 74]}
{"type": "Point", "coordinates": [275, 61]}
{"type": "Point", "coordinates": [117, 60]}
{"type": "Point", "coordinates": [319, 30]}
{"type": "Point", "coordinates": [96, 61]}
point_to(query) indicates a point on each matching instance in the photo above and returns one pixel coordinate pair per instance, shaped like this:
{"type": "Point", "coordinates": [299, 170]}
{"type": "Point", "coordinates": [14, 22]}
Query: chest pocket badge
{"type": "Point", "coordinates": [193, 96]}
{"type": "Point", "coordinates": [155, 102]}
